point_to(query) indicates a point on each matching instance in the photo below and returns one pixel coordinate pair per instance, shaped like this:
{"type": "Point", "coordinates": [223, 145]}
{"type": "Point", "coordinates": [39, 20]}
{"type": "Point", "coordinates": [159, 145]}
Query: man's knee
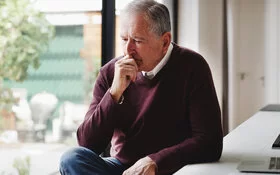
{"type": "Point", "coordinates": [68, 158]}
{"type": "Point", "coordinates": [81, 160]}
{"type": "Point", "coordinates": [73, 156]}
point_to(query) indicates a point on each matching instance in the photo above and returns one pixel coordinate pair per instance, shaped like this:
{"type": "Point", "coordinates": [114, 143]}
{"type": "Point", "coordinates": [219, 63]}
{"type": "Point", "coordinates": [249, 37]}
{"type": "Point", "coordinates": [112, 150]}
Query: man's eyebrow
{"type": "Point", "coordinates": [134, 37]}
{"type": "Point", "coordinates": [138, 37]}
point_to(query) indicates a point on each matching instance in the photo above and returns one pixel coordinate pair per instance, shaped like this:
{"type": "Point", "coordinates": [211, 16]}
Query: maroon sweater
{"type": "Point", "coordinates": [174, 118]}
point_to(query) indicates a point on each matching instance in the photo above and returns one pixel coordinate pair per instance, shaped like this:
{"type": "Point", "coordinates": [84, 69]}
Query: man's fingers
{"type": "Point", "coordinates": [129, 60]}
{"type": "Point", "coordinates": [127, 69]}
{"type": "Point", "coordinates": [129, 72]}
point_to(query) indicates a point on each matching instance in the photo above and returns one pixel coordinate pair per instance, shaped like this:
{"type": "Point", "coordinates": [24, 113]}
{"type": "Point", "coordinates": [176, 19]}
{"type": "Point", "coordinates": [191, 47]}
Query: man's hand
{"type": "Point", "coordinates": [144, 166]}
{"type": "Point", "coordinates": [125, 72]}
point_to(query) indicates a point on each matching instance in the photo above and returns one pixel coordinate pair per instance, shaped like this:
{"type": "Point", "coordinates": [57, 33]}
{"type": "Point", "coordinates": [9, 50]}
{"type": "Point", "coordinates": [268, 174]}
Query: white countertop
{"type": "Point", "coordinates": [251, 139]}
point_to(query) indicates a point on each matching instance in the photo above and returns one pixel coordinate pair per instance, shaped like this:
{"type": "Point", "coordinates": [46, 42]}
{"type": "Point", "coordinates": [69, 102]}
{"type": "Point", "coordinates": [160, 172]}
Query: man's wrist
{"type": "Point", "coordinates": [117, 98]}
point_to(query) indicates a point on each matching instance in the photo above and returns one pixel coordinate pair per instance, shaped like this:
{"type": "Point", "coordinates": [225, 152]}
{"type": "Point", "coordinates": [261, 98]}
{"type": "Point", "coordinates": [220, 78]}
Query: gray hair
{"type": "Point", "coordinates": [156, 14]}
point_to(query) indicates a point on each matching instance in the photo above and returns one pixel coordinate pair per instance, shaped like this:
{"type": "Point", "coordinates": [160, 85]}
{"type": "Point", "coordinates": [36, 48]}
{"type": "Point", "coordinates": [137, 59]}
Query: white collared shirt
{"type": "Point", "coordinates": [151, 74]}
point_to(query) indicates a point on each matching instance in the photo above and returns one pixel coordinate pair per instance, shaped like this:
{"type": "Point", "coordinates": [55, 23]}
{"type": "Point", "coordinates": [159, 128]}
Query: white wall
{"type": "Point", "coordinates": [211, 39]}
{"type": "Point", "coordinates": [272, 53]}
{"type": "Point", "coordinates": [188, 23]}
{"type": "Point", "coordinates": [246, 45]}
{"type": "Point", "coordinates": [233, 52]}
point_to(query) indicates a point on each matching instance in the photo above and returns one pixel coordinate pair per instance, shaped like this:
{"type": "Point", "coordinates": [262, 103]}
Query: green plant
{"type": "Point", "coordinates": [24, 35]}
{"type": "Point", "coordinates": [22, 165]}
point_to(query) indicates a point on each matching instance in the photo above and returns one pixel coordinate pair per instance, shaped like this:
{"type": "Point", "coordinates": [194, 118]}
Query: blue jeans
{"type": "Point", "coordinates": [83, 161]}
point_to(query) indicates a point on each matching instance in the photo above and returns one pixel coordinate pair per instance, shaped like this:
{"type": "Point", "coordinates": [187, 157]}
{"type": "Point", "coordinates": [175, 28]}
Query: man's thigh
{"type": "Point", "coordinates": [84, 161]}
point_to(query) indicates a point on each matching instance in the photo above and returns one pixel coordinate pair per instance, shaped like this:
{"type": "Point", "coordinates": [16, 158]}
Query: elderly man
{"type": "Point", "coordinates": [156, 104]}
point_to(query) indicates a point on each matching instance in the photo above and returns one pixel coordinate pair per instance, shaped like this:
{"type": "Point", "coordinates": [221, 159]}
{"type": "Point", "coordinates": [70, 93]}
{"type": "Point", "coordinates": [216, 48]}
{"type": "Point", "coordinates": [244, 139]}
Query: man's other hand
{"type": "Point", "coordinates": [144, 166]}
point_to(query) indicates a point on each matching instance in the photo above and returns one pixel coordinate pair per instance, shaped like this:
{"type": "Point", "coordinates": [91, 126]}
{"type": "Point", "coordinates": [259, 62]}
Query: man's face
{"type": "Point", "coordinates": [145, 47]}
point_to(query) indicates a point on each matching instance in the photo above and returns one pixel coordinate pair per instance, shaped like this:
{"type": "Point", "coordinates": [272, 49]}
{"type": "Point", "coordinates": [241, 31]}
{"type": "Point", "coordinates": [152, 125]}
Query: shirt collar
{"type": "Point", "coordinates": [151, 74]}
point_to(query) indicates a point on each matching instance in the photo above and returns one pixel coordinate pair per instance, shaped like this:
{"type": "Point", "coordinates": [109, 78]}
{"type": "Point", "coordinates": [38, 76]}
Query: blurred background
{"type": "Point", "coordinates": [51, 52]}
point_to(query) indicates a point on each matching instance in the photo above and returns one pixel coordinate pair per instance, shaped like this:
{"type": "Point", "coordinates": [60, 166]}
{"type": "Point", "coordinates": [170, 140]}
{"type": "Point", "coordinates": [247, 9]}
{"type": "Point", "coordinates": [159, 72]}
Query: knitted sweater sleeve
{"type": "Point", "coordinates": [96, 130]}
{"type": "Point", "coordinates": [204, 114]}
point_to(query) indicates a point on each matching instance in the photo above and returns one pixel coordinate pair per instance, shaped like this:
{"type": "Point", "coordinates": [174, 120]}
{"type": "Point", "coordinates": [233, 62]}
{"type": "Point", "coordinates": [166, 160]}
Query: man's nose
{"type": "Point", "coordinates": [130, 47]}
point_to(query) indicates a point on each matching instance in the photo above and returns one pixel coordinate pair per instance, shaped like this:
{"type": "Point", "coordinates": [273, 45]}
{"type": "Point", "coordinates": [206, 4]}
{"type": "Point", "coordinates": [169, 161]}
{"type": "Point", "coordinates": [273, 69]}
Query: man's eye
{"type": "Point", "coordinates": [137, 41]}
{"type": "Point", "coordinates": [124, 39]}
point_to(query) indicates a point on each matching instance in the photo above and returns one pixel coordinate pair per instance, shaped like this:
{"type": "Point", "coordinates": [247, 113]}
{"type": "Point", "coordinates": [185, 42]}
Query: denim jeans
{"type": "Point", "coordinates": [83, 161]}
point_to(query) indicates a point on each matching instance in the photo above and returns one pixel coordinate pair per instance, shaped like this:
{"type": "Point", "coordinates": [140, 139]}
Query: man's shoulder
{"type": "Point", "coordinates": [187, 55]}
{"type": "Point", "coordinates": [184, 51]}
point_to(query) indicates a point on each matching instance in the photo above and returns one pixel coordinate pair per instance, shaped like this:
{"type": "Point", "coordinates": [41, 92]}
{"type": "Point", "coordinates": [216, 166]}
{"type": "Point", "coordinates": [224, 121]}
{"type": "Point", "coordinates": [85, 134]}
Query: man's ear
{"type": "Point", "coordinates": [166, 38]}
